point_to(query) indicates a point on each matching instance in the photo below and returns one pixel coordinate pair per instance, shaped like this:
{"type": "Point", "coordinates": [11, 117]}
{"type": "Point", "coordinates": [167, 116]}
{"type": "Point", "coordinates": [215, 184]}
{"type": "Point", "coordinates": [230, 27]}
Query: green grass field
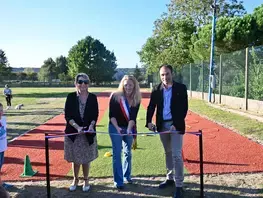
{"type": "Point", "coordinates": [149, 152]}
{"type": "Point", "coordinates": [148, 159]}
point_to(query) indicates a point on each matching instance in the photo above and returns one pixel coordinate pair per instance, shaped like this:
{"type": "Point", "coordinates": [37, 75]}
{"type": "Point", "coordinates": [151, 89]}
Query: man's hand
{"type": "Point", "coordinates": [80, 129]}
{"type": "Point", "coordinates": [151, 127]}
{"type": "Point", "coordinates": [172, 128]}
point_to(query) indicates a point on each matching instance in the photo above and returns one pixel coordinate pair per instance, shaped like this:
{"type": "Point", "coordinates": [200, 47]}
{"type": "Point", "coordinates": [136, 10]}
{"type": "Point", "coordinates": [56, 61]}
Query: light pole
{"type": "Point", "coordinates": [211, 66]}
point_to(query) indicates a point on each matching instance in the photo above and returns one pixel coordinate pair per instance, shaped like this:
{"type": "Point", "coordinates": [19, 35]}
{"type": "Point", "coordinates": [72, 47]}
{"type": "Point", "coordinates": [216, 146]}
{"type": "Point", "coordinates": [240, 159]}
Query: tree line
{"type": "Point", "coordinates": [182, 35]}
{"type": "Point", "coordinates": [89, 55]}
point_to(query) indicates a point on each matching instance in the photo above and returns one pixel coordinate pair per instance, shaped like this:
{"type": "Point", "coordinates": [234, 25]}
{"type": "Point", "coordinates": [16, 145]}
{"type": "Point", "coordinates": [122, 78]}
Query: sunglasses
{"type": "Point", "coordinates": [83, 81]}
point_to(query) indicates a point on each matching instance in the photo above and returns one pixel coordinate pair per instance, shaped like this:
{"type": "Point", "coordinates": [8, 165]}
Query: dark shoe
{"type": "Point", "coordinates": [119, 187]}
{"type": "Point", "coordinates": [128, 181]}
{"type": "Point", "coordinates": [6, 186]}
{"type": "Point", "coordinates": [166, 183]}
{"type": "Point", "coordinates": [179, 192]}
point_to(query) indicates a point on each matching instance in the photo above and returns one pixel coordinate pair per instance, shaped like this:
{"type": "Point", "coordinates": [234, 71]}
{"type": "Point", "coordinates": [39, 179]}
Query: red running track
{"type": "Point", "coordinates": [224, 150]}
{"type": "Point", "coordinates": [33, 145]}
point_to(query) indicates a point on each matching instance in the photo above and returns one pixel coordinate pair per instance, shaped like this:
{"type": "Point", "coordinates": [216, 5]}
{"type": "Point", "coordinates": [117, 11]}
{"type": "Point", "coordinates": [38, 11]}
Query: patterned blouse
{"type": "Point", "coordinates": [82, 107]}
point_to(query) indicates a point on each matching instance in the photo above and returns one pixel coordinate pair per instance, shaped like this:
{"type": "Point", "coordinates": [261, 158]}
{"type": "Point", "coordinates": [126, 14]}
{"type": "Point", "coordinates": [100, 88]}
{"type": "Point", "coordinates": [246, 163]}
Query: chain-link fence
{"type": "Point", "coordinates": [255, 73]}
{"type": "Point", "coordinates": [231, 80]}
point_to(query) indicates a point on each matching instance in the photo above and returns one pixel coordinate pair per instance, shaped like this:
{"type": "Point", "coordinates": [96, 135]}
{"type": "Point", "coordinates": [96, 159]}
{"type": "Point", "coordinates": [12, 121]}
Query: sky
{"type": "Point", "coordinates": [32, 30]}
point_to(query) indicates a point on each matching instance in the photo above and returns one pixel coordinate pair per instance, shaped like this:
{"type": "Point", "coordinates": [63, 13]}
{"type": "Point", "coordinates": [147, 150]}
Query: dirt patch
{"type": "Point", "coordinates": [228, 185]}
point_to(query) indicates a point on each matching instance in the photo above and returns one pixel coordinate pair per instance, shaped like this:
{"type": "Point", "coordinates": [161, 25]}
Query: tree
{"type": "Point", "coordinates": [148, 55]}
{"type": "Point", "coordinates": [183, 35]}
{"type": "Point", "coordinates": [28, 70]}
{"type": "Point", "coordinates": [171, 44]}
{"type": "Point", "coordinates": [30, 74]}
{"type": "Point", "coordinates": [232, 34]}
{"type": "Point", "coordinates": [89, 55]}
{"type": "Point", "coordinates": [21, 76]}
{"type": "Point", "coordinates": [48, 71]}
{"type": "Point", "coordinates": [5, 69]}
{"type": "Point", "coordinates": [64, 77]}
{"type": "Point", "coordinates": [137, 73]}
{"type": "Point", "coordinates": [61, 64]}
{"type": "Point", "coordinates": [201, 12]}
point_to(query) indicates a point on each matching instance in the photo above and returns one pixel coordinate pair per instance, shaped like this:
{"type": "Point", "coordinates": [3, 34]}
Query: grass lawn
{"type": "Point", "coordinates": [148, 158]}
{"type": "Point", "coordinates": [244, 125]}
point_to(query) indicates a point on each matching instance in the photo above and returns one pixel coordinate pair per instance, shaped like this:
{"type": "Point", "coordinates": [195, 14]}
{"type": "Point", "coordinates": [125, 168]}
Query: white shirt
{"type": "Point", "coordinates": [3, 140]}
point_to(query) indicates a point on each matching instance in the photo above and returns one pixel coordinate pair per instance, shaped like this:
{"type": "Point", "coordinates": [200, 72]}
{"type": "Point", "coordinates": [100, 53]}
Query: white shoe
{"type": "Point", "coordinates": [72, 187]}
{"type": "Point", "coordinates": [85, 188]}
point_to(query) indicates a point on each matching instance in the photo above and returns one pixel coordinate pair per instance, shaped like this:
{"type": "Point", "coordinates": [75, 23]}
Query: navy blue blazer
{"type": "Point", "coordinates": [179, 106]}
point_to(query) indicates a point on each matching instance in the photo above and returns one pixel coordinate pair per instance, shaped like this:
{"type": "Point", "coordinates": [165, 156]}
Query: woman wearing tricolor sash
{"type": "Point", "coordinates": [124, 107]}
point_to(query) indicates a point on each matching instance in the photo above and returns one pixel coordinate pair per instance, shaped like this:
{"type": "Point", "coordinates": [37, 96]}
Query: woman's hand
{"type": "Point", "coordinates": [91, 128]}
{"type": "Point", "coordinates": [119, 130]}
{"type": "Point", "coordinates": [129, 131]}
{"type": "Point", "coordinates": [80, 129]}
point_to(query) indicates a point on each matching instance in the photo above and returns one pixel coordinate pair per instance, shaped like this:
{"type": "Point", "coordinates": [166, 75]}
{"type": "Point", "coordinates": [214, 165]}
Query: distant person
{"type": "Point", "coordinates": [3, 143]}
{"type": "Point", "coordinates": [8, 96]}
{"type": "Point", "coordinates": [81, 113]}
{"type": "Point", "coordinates": [171, 101]}
{"type": "Point", "coordinates": [124, 107]}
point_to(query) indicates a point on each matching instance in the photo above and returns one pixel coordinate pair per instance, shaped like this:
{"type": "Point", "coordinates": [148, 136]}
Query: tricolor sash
{"type": "Point", "coordinates": [125, 108]}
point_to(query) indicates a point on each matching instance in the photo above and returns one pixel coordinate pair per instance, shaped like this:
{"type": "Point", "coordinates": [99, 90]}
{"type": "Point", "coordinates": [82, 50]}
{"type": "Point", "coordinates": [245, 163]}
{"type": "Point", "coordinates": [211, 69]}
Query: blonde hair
{"type": "Point", "coordinates": [136, 94]}
{"type": "Point", "coordinates": [83, 75]}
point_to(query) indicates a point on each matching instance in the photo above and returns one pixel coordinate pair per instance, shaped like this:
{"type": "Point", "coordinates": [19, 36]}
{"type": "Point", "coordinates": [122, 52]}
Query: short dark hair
{"type": "Point", "coordinates": [167, 66]}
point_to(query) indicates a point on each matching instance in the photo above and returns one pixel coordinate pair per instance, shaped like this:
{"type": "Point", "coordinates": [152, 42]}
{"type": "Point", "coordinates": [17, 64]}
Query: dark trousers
{"type": "Point", "coordinates": [8, 100]}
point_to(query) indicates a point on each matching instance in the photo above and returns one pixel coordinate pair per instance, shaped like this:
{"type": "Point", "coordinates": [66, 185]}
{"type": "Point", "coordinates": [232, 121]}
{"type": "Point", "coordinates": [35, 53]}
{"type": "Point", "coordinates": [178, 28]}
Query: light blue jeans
{"type": "Point", "coordinates": [121, 171]}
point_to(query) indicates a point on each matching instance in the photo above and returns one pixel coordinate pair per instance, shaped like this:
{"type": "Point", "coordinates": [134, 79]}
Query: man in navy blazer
{"type": "Point", "coordinates": [171, 100]}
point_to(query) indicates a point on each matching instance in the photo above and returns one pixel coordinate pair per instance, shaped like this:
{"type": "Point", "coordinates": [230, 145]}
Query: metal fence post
{"type": "Point", "coordinates": [246, 80]}
{"type": "Point", "coordinates": [47, 166]}
{"type": "Point", "coordinates": [220, 79]}
{"type": "Point", "coordinates": [203, 81]}
{"type": "Point", "coordinates": [190, 81]}
{"type": "Point", "coordinates": [201, 164]}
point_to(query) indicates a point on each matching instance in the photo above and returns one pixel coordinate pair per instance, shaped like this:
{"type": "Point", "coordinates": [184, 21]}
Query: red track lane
{"type": "Point", "coordinates": [224, 150]}
{"type": "Point", "coordinates": [33, 144]}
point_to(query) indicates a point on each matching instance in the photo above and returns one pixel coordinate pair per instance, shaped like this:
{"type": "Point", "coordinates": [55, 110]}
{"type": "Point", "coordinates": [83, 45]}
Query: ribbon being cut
{"type": "Point", "coordinates": [137, 134]}
{"type": "Point", "coordinates": [125, 108]}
